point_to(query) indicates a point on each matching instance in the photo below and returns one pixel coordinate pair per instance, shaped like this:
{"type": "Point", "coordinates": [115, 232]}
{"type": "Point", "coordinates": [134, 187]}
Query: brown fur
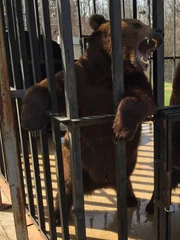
{"type": "Point", "coordinates": [174, 100]}
{"type": "Point", "coordinates": [94, 91]}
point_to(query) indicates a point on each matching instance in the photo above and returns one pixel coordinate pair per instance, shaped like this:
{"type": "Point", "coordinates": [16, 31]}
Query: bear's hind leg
{"type": "Point", "coordinates": [89, 185]}
{"type": "Point", "coordinates": [69, 202]}
{"type": "Point", "coordinates": [131, 198]}
{"type": "Point", "coordinates": [150, 205]}
{"type": "Point", "coordinates": [175, 181]}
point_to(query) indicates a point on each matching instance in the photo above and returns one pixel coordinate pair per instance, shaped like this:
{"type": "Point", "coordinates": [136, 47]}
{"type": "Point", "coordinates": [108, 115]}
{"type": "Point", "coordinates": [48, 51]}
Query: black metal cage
{"type": "Point", "coordinates": [28, 55]}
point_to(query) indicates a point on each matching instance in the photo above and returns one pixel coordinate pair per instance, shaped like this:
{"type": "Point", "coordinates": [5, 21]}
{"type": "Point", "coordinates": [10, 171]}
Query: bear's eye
{"type": "Point", "coordinates": [137, 25]}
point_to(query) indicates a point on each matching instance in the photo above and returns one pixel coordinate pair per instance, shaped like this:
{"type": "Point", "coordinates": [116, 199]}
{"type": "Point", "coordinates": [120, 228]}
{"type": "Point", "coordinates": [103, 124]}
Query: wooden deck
{"type": "Point", "coordinates": [101, 206]}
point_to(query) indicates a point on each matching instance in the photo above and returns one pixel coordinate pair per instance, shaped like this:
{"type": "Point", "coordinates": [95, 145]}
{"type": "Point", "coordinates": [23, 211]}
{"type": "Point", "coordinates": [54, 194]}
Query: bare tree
{"type": "Point", "coordinates": [144, 13]}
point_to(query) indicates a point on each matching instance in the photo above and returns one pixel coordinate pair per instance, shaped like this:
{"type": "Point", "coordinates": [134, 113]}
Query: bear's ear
{"type": "Point", "coordinates": [96, 20]}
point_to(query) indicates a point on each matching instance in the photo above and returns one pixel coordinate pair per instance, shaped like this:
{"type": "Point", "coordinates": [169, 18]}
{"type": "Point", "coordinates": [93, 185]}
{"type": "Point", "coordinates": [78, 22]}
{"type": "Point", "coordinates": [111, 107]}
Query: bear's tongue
{"type": "Point", "coordinates": [143, 59]}
{"type": "Point", "coordinates": [144, 51]}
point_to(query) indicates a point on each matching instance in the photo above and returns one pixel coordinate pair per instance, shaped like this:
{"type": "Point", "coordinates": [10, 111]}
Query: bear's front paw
{"type": "Point", "coordinates": [57, 217]}
{"type": "Point", "coordinates": [124, 131]}
{"type": "Point", "coordinates": [150, 208]}
{"type": "Point", "coordinates": [35, 105]}
{"type": "Point", "coordinates": [132, 201]}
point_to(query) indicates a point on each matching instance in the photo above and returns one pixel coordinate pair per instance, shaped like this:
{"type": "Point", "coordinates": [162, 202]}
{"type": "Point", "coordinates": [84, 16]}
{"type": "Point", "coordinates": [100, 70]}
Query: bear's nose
{"type": "Point", "coordinates": [158, 30]}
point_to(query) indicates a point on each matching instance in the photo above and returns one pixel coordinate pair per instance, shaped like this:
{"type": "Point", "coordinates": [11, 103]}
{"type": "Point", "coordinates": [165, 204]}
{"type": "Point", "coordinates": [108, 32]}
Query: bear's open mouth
{"type": "Point", "coordinates": [144, 50]}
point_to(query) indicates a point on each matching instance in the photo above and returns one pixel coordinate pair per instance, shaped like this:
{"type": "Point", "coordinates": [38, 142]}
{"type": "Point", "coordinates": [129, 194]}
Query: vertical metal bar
{"type": "Point", "coordinates": [24, 70]}
{"type": "Point", "coordinates": [14, 54]}
{"type": "Point", "coordinates": [12, 35]}
{"type": "Point", "coordinates": [118, 89]}
{"type": "Point", "coordinates": [32, 27]}
{"type": "Point", "coordinates": [31, 23]}
{"type": "Point", "coordinates": [26, 83]}
{"type": "Point", "coordinates": [36, 15]}
{"type": "Point", "coordinates": [72, 112]}
{"type": "Point", "coordinates": [123, 9]}
{"type": "Point", "coordinates": [27, 170]}
{"type": "Point", "coordinates": [37, 181]}
{"type": "Point", "coordinates": [48, 51]}
{"type": "Point", "coordinates": [13, 47]}
{"type": "Point", "coordinates": [3, 167]}
{"type": "Point", "coordinates": [168, 176]}
{"type": "Point", "coordinates": [7, 47]}
{"type": "Point", "coordinates": [158, 56]}
{"type": "Point", "coordinates": [13, 17]}
{"type": "Point", "coordinates": [149, 12]}
{"type": "Point", "coordinates": [135, 9]}
{"type": "Point", "coordinates": [94, 6]}
{"type": "Point", "coordinates": [38, 28]}
{"type": "Point", "coordinates": [174, 33]}
{"type": "Point", "coordinates": [16, 119]}
{"type": "Point", "coordinates": [48, 184]}
{"type": "Point", "coordinates": [55, 126]}
{"type": "Point", "coordinates": [149, 19]}
{"type": "Point", "coordinates": [163, 152]}
{"type": "Point", "coordinates": [157, 132]}
{"type": "Point", "coordinates": [60, 180]}
{"type": "Point", "coordinates": [80, 26]}
{"type": "Point", "coordinates": [158, 87]}
{"type": "Point", "coordinates": [10, 143]}
{"type": "Point", "coordinates": [162, 184]}
{"type": "Point", "coordinates": [22, 43]}
{"type": "Point", "coordinates": [0, 199]}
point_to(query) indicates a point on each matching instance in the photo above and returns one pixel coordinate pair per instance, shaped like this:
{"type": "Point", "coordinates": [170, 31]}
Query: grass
{"type": "Point", "coordinates": [167, 93]}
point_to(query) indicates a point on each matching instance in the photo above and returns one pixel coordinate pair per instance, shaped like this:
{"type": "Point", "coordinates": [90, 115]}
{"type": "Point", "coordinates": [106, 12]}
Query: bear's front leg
{"type": "Point", "coordinates": [37, 102]}
{"type": "Point", "coordinates": [150, 205]}
{"type": "Point", "coordinates": [131, 198]}
{"type": "Point", "coordinates": [131, 112]}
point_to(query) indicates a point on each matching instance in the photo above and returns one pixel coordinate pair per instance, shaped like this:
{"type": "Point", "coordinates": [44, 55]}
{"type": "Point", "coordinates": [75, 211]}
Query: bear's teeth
{"type": "Point", "coordinates": [144, 61]}
{"type": "Point", "coordinates": [148, 40]}
{"type": "Point", "coordinates": [155, 42]}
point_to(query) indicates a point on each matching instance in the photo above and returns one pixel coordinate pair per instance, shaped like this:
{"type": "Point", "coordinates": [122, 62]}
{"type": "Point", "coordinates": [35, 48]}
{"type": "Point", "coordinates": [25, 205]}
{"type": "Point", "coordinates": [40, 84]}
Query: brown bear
{"type": "Point", "coordinates": [174, 100]}
{"type": "Point", "coordinates": [95, 97]}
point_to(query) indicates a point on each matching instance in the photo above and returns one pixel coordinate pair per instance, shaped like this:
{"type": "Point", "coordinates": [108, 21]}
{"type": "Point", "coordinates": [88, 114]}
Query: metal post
{"type": "Point", "coordinates": [0, 199]}
{"type": "Point", "coordinates": [55, 131]}
{"type": "Point", "coordinates": [123, 9]}
{"type": "Point", "coordinates": [168, 163]}
{"type": "Point", "coordinates": [31, 23]}
{"type": "Point", "coordinates": [163, 170]}
{"type": "Point", "coordinates": [72, 112]}
{"type": "Point", "coordinates": [21, 43]}
{"type": "Point", "coordinates": [158, 56]}
{"type": "Point", "coordinates": [10, 142]}
{"type": "Point", "coordinates": [37, 182]}
{"type": "Point", "coordinates": [149, 19]}
{"type": "Point", "coordinates": [174, 33]}
{"type": "Point", "coordinates": [25, 82]}
{"type": "Point", "coordinates": [94, 6]}
{"type": "Point", "coordinates": [3, 168]}
{"type": "Point", "coordinates": [118, 89]}
{"type": "Point", "coordinates": [48, 184]}
{"type": "Point", "coordinates": [80, 25]}
{"type": "Point", "coordinates": [159, 172]}
{"type": "Point", "coordinates": [158, 84]}
{"type": "Point", "coordinates": [135, 9]}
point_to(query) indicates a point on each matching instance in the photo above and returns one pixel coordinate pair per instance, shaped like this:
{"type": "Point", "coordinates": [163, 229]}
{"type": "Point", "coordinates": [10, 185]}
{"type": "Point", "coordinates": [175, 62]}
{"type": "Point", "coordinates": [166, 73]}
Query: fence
{"type": "Point", "coordinates": [26, 54]}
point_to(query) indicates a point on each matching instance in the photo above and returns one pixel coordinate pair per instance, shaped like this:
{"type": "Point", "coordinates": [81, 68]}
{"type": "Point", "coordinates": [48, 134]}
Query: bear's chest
{"type": "Point", "coordinates": [97, 100]}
